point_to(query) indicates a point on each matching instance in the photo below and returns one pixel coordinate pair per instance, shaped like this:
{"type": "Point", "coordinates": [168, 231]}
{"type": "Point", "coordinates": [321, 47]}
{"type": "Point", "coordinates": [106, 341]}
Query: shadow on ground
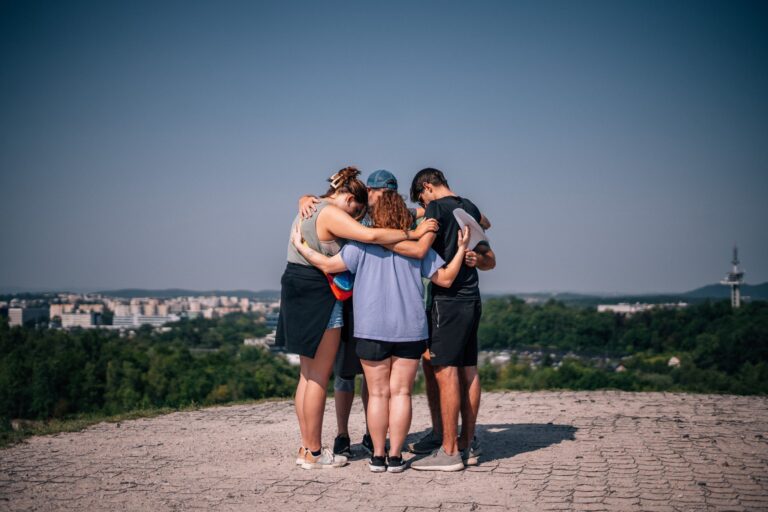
{"type": "Point", "coordinates": [505, 440]}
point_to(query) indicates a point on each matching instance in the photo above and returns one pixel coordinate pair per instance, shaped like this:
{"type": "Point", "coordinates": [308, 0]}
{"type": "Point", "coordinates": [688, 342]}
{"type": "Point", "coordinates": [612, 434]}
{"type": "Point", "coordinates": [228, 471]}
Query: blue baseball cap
{"type": "Point", "coordinates": [382, 179]}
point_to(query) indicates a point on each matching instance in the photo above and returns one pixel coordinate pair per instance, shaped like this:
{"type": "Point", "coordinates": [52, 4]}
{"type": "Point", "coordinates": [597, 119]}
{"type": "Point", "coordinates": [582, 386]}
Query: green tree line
{"type": "Point", "coordinates": [47, 373]}
{"type": "Point", "coordinates": [720, 349]}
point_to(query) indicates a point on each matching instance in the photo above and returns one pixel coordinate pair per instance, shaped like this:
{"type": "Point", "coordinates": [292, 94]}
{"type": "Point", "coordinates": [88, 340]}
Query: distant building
{"type": "Point", "coordinates": [267, 341]}
{"type": "Point", "coordinates": [626, 309]}
{"type": "Point", "coordinates": [90, 308]}
{"type": "Point", "coordinates": [57, 310]}
{"type": "Point", "coordinates": [84, 320]}
{"type": "Point", "coordinates": [271, 320]}
{"type": "Point", "coordinates": [21, 316]}
{"type": "Point", "coordinates": [122, 310]}
{"type": "Point", "coordinates": [139, 320]}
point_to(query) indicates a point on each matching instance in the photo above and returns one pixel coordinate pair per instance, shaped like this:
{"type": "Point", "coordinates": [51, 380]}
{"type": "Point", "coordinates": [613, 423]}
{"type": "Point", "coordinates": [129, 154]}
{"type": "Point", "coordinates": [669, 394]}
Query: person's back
{"type": "Point", "coordinates": [388, 293]}
{"type": "Point", "coordinates": [455, 319]}
{"type": "Point", "coordinates": [465, 286]}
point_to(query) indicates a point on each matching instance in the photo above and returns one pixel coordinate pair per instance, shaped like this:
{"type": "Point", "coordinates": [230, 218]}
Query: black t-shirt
{"type": "Point", "coordinates": [466, 283]}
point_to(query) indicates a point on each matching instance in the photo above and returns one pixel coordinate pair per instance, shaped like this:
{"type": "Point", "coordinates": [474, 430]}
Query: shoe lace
{"type": "Point", "coordinates": [328, 453]}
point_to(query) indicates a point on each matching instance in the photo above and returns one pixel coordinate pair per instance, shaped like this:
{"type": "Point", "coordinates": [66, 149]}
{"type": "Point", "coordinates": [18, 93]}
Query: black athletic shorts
{"type": "Point", "coordinates": [454, 332]}
{"type": "Point", "coordinates": [374, 350]}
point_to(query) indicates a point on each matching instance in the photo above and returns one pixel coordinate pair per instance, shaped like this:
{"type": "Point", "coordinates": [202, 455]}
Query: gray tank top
{"type": "Point", "coordinates": [309, 234]}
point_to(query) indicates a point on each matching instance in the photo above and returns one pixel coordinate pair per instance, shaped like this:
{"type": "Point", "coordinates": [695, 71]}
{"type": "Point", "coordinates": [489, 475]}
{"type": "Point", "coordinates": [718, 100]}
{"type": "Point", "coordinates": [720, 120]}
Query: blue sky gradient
{"type": "Point", "coordinates": [616, 146]}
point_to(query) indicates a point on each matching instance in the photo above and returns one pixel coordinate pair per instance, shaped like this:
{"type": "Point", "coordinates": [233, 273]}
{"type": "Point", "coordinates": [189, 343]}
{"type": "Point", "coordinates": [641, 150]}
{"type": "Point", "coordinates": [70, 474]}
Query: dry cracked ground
{"type": "Point", "coordinates": [542, 451]}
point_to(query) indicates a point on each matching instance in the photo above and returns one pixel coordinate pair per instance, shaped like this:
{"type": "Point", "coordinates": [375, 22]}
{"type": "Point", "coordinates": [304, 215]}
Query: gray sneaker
{"type": "Point", "coordinates": [439, 461]}
{"type": "Point", "coordinates": [471, 454]}
{"type": "Point", "coordinates": [428, 443]}
{"type": "Point", "coordinates": [325, 460]}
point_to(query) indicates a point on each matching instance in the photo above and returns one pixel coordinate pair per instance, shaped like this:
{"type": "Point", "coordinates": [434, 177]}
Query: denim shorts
{"type": "Point", "coordinates": [337, 316]}
{"type": "Point", "coordinates": [345, 385]}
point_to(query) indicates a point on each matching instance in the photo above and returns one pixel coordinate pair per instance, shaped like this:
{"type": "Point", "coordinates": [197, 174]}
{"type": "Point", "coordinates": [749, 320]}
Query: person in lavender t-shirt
{"type": "Point", "coordinates": [390, 327]}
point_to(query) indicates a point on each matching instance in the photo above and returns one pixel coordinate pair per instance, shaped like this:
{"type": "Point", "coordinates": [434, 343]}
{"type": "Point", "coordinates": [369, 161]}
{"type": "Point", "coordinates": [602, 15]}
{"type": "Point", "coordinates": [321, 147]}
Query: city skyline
{"type": "Point", "coordinates": [616, 147]}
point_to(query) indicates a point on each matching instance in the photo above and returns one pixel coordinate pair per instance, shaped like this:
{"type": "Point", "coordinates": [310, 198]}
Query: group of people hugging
{"type": "Point", "coordinates": [373, 287]}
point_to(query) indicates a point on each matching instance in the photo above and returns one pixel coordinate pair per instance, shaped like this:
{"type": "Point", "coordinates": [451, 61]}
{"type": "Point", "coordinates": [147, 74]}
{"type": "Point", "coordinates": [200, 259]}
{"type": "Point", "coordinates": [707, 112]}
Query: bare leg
{"type": "Point", "coordinates": [470, 403]}
{"type": "Point", "coordinates": [317, 371]}
{"type": "Point", "coordinates": [433, 394]}
{"type": "Point", "coordinates": [364, 398]}
{"type": "Point", "coordinates": [298, 403]}
{"type": "Point", "coordinates": [450, 400]}
{"type": "Point", "coordinates": [343, 400]}
{"type": "Point", "coordinates": [400, 387]}
{"type": "Point", "coordinates": [377, 375]}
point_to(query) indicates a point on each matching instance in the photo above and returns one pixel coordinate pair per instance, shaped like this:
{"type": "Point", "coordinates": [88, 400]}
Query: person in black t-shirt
{"type": "Point", "coordinates": [455, 319]}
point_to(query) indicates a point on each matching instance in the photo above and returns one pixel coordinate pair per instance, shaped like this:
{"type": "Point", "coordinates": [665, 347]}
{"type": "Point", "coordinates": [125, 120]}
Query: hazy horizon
{"type": "Point", "coordinates": [619, 147]}
{"type": "Point", "coordinates": [74, 289]}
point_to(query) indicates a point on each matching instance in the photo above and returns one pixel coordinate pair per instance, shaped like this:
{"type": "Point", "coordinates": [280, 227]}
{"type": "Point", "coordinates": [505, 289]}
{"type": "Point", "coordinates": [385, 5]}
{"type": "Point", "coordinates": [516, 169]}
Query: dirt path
{"type": "Point", "coordinates": [552, 450]}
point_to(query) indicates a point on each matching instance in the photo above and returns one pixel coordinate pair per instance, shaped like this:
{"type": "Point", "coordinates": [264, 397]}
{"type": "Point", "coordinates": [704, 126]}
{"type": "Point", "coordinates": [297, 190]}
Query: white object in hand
{"type": "Point", "coordinates": [476, 233]}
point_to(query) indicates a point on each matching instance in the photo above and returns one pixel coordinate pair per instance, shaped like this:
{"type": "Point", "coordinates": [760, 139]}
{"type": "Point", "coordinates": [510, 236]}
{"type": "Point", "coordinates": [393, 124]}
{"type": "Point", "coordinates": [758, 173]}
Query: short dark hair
{"type": "Point", "coordinates": [428, 175]}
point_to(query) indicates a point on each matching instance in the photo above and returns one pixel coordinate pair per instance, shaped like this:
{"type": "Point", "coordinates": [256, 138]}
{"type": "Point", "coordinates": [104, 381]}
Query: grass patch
{"type": "Point", "coordinates": [10, 437]}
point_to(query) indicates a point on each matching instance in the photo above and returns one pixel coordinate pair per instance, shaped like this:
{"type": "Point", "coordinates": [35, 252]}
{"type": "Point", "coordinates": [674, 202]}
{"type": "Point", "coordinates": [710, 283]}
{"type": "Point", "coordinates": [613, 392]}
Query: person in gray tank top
{"type": "Point", "coordinates": [389, 325]}
{"type": "Point", "coordinates": [307, 303]}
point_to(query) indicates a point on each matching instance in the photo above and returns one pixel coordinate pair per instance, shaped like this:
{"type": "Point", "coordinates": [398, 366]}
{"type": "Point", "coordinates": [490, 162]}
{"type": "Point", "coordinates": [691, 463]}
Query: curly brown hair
{"type": "Point", "coordinates": [391, 212]}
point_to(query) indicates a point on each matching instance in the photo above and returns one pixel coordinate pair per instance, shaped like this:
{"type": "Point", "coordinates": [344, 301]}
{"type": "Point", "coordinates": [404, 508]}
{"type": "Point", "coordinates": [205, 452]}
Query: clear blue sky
{"type": "Point", "coordinates": [616, 146]}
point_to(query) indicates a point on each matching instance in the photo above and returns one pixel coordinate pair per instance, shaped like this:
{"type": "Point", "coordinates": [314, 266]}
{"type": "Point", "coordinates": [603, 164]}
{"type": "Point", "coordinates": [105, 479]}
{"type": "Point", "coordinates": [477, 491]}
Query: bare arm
{"type": "Point", "coordinates": [339, 224]}
{"type": "Point", "coordinates": [482, 257]}
{"type": "Point", "coordinates": [414, 249]}
{"type": "Point", "coordinates": [329, 265]}
{"type": "Point", "coordinates": [445, 276]}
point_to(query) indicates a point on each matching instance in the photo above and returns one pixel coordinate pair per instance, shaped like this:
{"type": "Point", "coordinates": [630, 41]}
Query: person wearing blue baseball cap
{"type": "Point", "coordinates": [347, 364]}
{"type": "Point", "coordinates": [390, 327]}
{"type": "Point", "coordinates": [377, 183]}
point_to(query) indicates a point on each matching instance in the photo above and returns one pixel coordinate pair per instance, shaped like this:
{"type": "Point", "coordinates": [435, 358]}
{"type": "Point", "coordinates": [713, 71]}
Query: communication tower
{"type": "Point", "coordinates": [734, 279]}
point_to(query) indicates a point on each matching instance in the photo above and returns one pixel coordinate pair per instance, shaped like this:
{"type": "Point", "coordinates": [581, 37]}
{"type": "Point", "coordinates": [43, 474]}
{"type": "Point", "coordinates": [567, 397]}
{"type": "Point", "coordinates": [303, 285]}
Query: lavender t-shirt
{"type": "Point", "coordinates": [389, 295]}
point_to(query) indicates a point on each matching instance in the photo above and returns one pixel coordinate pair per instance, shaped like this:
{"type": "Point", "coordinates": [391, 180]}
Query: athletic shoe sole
{"type": "Point", "coordinates": [306, 465]}
{"type": "Point", "coordinates": [395, 469]}
{"type": "Point", "coordinates": [377, 469]}
{"type": "Point", "coordinates": [451, 467]}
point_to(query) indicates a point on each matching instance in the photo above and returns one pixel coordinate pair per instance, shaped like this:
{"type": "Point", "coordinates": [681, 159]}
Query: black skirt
{"type": "Point", "coordinates": [306, 302]}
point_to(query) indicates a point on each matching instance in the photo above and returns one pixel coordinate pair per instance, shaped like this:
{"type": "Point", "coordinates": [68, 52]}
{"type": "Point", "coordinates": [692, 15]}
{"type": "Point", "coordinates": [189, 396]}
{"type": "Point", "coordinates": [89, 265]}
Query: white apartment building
{"type": "Point", "coordinates": [20, 316]}
{"type": "Point", "coordinates": [138, 320]}
{"type": "Point", "coordinates": [84, 320]}
{"type": "Point", "coordinates": [626, 309]}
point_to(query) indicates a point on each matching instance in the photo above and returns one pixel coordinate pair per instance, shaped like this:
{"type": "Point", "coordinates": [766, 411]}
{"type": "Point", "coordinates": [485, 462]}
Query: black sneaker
{"type": "Point", "coordinates": [341, 446]}
{"type": "Point", "coordinates": [367, 444]}
{"type": "Point", "coordinates": [395, 464]}
{"type": "Point", "coordinates": [377, 464]}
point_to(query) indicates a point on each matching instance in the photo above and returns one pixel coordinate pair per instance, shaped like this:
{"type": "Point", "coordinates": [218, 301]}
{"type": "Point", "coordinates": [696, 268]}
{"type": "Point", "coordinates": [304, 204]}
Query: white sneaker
{"type": "Point", "coordinates": [325, 460]}
{"type": "Point", "coordinates": [300, 456]}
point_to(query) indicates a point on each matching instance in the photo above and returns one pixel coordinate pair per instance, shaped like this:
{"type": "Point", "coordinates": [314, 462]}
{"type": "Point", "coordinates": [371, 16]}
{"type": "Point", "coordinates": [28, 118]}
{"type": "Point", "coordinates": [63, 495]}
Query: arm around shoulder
{"type": "Point", "coordinates": [414, 248]}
